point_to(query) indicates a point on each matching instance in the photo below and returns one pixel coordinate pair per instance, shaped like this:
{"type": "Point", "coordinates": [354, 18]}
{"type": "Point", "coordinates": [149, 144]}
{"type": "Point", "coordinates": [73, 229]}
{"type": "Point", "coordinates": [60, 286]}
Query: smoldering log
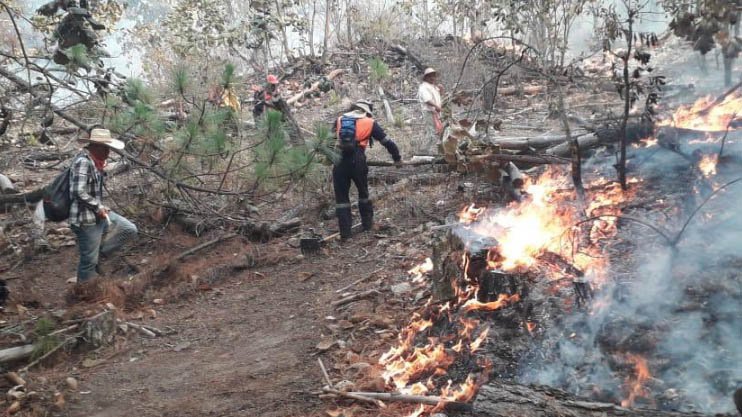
{"type": "Point", "coordinates": [498, 399]}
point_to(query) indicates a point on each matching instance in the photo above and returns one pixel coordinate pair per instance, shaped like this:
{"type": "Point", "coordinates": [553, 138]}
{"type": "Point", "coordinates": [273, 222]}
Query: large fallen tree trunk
{"type": "Point", "coordinates": [602, 136]}
{"type": "Point", "coordinates": [409, 55]}
{"type": "Point", "coordinates": [314, 87]}
{"type": "Point", "coordinates": [498, 399]}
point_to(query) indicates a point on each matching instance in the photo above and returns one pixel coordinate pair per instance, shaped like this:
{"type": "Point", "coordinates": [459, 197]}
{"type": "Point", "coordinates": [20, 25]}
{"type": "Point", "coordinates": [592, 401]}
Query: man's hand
{"type": "Point", "coordinates": [103, 212]}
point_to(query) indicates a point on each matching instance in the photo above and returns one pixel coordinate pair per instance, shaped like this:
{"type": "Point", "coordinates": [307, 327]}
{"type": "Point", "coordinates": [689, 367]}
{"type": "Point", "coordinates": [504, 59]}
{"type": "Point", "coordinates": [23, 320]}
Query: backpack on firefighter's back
{"type": "Point", "coordinates": [347, 143]}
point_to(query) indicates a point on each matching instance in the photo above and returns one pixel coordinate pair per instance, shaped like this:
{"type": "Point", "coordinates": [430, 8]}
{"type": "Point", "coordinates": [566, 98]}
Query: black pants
{"type": "Point", "coordinates": [352, 169]}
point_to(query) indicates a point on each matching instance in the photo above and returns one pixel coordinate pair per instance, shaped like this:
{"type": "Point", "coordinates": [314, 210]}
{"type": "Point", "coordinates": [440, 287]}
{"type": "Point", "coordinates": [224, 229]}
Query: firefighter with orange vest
{"type": "Point", "coordinates": [356, 131]}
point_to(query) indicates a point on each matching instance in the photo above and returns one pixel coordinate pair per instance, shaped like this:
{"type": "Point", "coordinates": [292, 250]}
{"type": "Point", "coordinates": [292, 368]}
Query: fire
{"type": "Point", "coordinates": [635, 385]}
{"type": "Point", "coordinates": [707, 165]}
{"type": "Point", "coordinates": [470, 214]}
{"type": "Point", "coordinates": [549, 220]}
{"type": "Point", "coordinates": [717, 118]}
{"type": "Point", "coordinates": [419, 271]}
{"type": "Point", "coordinates": [474, 346]}
{"type": "Point", "coordinates": [502, 301]}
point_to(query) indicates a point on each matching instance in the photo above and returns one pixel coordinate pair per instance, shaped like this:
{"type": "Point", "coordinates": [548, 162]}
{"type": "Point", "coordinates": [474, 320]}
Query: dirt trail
{"type": "Point", "coordinates": [245, 348]}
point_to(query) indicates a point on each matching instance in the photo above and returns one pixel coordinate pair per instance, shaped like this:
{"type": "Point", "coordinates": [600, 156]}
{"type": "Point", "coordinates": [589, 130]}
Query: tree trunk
{"type": "Point", "coordinates": [284, 35]}
{"type": "Point", "coordinates": [498, 399]}
{"type": "Point", "coordinates": [311, 29]}
{"type": "Point", "coordinates": [326, 38]}
{"type": "Point", "coordinates": [348, 22]}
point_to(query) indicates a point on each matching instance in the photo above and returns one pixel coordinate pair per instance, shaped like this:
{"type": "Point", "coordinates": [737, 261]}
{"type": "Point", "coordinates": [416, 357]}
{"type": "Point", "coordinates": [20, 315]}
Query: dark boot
{"type": "Point", "coordinates": [367, 214]}
{"type": "Point", "coordinates": [345, 222]}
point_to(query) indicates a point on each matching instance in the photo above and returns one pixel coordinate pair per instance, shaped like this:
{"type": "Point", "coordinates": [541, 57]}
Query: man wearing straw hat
{"type": "Point", "coordinates": [429, 95]}
{"type": "Point", "coordinates": [99, 230]}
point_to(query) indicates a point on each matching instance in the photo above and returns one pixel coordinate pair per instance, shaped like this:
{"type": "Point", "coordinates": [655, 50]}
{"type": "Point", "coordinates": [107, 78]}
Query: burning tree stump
{"type": "Point", "coordinates": [498, 399]}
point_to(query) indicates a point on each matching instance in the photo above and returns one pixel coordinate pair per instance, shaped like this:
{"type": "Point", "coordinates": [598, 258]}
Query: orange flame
{"type": "Point", "coordinates": [717, 118]}
{"type": "Point", "coordinates": [503, 300]}
{"type": "Point", "coordinates": [475, 345]}
{"type": "Point", "coordinates": [636, 384]}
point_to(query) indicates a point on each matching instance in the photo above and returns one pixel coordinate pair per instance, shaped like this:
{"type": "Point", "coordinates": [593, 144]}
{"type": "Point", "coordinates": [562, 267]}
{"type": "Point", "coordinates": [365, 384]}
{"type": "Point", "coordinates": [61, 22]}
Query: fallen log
{"type": "Point", "coordinates": [16, 353]}
{"type": "Point", "coordinates": [525, 142]}
{"type": "Point", "coordinates": [604, 135]}
{"type": "Point", "coordinates": [498, 399]}
{"type": "Point", "coordinates": [314, 87]}
{"type": "Point", "coordinates": [404, 52]}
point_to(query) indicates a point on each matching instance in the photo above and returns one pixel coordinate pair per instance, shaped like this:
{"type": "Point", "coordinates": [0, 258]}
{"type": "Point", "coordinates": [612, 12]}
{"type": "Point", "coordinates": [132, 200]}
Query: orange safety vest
{"type": "Point", "coordinates": [364, 126]}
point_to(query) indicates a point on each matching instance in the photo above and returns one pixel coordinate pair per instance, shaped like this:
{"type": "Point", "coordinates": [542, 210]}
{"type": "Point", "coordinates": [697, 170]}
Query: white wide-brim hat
{"type": "Point", "coordinates": [365, 106]}
{"type": "Point", "coordinates": [103, 137]}
{"type": "Point", "coordinates": [429, 71]}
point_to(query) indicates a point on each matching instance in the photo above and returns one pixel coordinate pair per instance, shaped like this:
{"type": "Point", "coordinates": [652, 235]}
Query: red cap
{"type": "Point", "coordinates": [272, 79]}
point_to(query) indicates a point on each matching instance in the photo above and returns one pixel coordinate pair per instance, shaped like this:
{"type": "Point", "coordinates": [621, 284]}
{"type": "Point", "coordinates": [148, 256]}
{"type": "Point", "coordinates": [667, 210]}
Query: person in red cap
{"type": "Point", "coordinates": [267, 97]}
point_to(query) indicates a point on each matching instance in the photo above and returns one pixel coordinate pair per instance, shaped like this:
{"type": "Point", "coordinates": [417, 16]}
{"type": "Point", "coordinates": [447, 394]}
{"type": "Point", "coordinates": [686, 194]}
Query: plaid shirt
{"type": "Point", "coordinates": [86, 190]}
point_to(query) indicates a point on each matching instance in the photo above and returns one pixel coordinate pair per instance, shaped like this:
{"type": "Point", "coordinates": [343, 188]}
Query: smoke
{"type": "Point", "coordinates": [679, 308]}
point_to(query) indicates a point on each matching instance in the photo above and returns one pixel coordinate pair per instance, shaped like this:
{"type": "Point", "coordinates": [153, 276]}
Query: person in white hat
{"type": "Point", "coordinates": [98, 229]}
{"type": "Point", "coordinates": [429, 95]}
{"type": "Point", "coordinates": [355, 132]}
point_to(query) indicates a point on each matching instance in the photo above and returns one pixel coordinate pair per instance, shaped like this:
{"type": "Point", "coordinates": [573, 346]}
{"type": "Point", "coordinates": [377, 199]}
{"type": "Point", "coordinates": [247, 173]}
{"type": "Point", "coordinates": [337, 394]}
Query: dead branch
{"type": "Point", "coordinates": [416, 399]}
{"type": "Point", "coordinates": [324, 372]}
{"type": "Point", "coordinates": [354, 297]}
{"type": "Point", "coordinates": [358, 281]}
{"type": "Point", "coordinates": [354, 396]}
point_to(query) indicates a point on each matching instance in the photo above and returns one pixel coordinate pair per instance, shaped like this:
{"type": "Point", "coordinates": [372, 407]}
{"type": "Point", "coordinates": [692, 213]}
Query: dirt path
{"type": "Point", "coordinates": [245, 348]}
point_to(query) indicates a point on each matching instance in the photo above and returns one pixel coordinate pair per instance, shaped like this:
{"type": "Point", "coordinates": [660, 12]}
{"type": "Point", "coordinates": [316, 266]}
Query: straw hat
{"type": "Point", "coordinates": [103, 137]}
{"type": "Point", "coordinates": [365, 106]}
{"type": "Point", "coordinates": [429, 71]}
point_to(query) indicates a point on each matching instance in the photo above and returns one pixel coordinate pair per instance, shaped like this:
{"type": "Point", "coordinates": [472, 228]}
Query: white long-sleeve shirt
{"type": "Point", "coordinates": [428, 92]}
